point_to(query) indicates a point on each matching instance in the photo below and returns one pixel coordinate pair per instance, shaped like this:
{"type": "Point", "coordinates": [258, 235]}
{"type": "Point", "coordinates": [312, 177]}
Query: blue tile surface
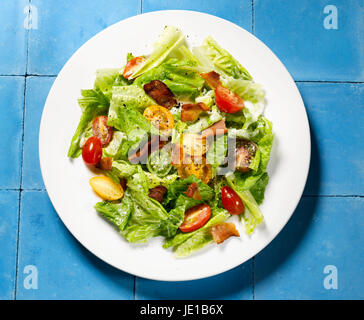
{"type": "Point", "coordinates": [234, 284]}
{"type": "Point", "coordinates": [295, 31]}
{"type": "Point", "coordinates": [13, 37]}
{"type": "Point", "coordinates": [325, 230]}
{"type": "Point", "coordinates": [239, 12]}
{"type": "Point", "coordinates": [8, 238]}
{"type": "Point", "coordinates": [322, 232]}
{"type": "Point", "coordinates": [65, 25]}
{"type": "Point", "coordinates": [65, 269]}
{"type": "Point", "coordinates": [37, 89]}
{"type": "Point", "coordinates": [336, 116]}
{"type": "Point", "coordinates": [11, 130]}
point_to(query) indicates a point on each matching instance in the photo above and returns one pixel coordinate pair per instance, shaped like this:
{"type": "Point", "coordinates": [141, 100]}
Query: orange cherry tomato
{"type": "Point", "coordinates": [132, 66]}
{"type": "Point", "coordinates": [195, 218]}
{"type": "Point", "coordinates": [101, 130]}
{"type": "Point", "coordinates": [228, 101]}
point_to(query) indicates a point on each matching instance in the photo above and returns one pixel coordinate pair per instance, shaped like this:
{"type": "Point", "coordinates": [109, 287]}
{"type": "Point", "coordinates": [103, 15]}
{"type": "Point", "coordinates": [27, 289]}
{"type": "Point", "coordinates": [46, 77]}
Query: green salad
{"type": "Point", "coordinates": [180, 144]}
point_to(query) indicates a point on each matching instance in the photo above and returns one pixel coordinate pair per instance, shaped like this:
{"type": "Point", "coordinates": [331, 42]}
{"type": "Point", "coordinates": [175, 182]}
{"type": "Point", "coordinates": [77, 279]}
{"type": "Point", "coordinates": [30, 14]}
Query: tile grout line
{"type": "Point", "coordinates": [253, 18]}
{"type": "Point", "coordinates": [328, 81]}
{"type": "Point", "coordinates": [253, 277]}
{"type": "Point", "coordinates": [134, 287]}
{"type": "Point", "coordinates": [22, 160]}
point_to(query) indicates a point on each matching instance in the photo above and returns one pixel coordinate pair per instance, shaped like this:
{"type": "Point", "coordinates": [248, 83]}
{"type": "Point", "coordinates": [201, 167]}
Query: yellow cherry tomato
{"type": "Point", "coordinates": [106, 188]}
{"type": "Point", "coordinates": [160, 117]}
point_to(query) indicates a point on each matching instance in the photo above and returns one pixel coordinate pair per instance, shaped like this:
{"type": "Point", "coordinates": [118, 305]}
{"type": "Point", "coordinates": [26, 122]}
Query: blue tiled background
{"type": "Point", "coordinates": [327, 227]}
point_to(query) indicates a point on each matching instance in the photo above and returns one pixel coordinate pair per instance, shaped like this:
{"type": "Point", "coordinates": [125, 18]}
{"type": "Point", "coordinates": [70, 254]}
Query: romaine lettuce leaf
{"type": "Point", "coordinates": [211, 55]}
{"type": "Point", "coordinates": [180, 186]}
{"type": "Point", "coordinates": [93, 104]}
{"type": "Point", "coordinates": [264, 140]}
{"type": "Point", "coordinates": [184, 83]}
{"type": "Point", "coordinates": [169, 40]}
{"type": "Point", "coordinates": [206, 121]}
{"type": "Point", "coordinates": [217, 152]}
{"type": "Point", "coordinates": [253, 216]}
{"type": "Point", "coordinates": [258, 189]}
{"type": "Point", "coordinates": [194, 243]}
{"type": "Point", "coordinates": [127, 96]}
{"type": "Point", "coordinates": [220, 215]}
{"type": "Point", "coordinates": [248, 90]}
{"type": "Point", "coordinates": [132, 123]}
{"type": "Point", "coordinates": [106, 79]}
{"type": "Point", "coordinates": [117, 213]}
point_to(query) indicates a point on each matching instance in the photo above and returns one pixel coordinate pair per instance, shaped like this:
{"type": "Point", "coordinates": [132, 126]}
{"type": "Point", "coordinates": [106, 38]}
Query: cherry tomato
{"type": "Point", "coordinates": [92, 151]}
{"type": "Point", "coordinates": [159, 117]}
{"type": "Point", "coordinates": [101, 130]}
{"type": "Point", "coordinates": [196, 217]}
{"type": "Point", "coordinates": [132, 66]}
{"type": "Point", "coordinates": [228, 101]}
{"type": "Point", "coordinates": [231, 201]}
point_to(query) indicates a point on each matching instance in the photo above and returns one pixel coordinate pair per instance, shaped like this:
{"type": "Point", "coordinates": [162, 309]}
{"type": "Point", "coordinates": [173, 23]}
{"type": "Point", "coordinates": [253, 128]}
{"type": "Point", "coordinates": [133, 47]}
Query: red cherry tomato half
{"type": "Point", "coordinates": [196, 217]}
{"type": "Point", "coordinates": [92, 151]}
{"type": "Point", "coordinates": [132, 66]}
{"type": "Point", "coordinates": [101, 130]}
{"type": "Point", "coordinates": [231, 201]}
{"type": "Point", "coordinates": [228, 101]}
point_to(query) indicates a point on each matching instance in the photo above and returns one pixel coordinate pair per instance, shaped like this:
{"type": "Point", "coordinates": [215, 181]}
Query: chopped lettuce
{"type": "Point", "coordinates": [127, 96]}
{"type": "Point", "coordinates": [258, 189]}
{"type": "Point", "coordinates": [180, 186]}
{"type": "Point", "coordinates": [206, 121]}
{"type": "Point", "coordinates": [169, 40]}
{"type": "Point", "coordinates": [133, 124]}
{"type": "Point", "coordinates": [248, 90]}
{"type": "Point", "coordinates": [253, 217]}
{"type": "Point", "coordinates": [111, 150]}
{"type": "Point", "coordinates": [116, 213]}
{"type": "Point", "coordinates": [264, 141]}
{"type": "Point", "coordinates": [219, 216]}
{"type": "Point", "coordinates": [213, 56]}
{"type": "Point", "coordinates": [93, 104]}
{"type": "Point", "coordinates": [217, 152]}
{"type": "Point", "coordinates": [185, 84]}
{"type": "Point", "coordinates": [198, 241]}
{"type": "Point", "coordinates": [106, 79]}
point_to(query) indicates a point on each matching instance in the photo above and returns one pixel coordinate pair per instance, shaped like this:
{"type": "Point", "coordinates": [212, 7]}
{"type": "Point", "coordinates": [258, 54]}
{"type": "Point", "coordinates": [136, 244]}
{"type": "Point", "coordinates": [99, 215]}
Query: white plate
{"type": "Point", "coordinates": [67, 181]}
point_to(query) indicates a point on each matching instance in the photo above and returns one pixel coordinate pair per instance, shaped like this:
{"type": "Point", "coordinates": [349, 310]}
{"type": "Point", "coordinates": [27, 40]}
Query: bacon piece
{"type": "Point", "coordinates": [212, 78]}
{"type": "Point", "coordinates": [160, 93]}
{"type": "Point", "coordinates": [191, 111]}
{"type": "Point", "coordinates": [216, 129]}
{"type": "Point", "coordinates": [192, 191]}
{"type": "Point", "coordinates": [123, 183]}
{"type": "Point", "coordinates": [245, 152]}
{"type": "Point", "coordinates": [105, 163]}
{"type": "Point", "coordinates": [157, 193]}
{"type": "Point", "coordinates": [223, 231]}
{"type": "Point", "coordinates": [154, 144]}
